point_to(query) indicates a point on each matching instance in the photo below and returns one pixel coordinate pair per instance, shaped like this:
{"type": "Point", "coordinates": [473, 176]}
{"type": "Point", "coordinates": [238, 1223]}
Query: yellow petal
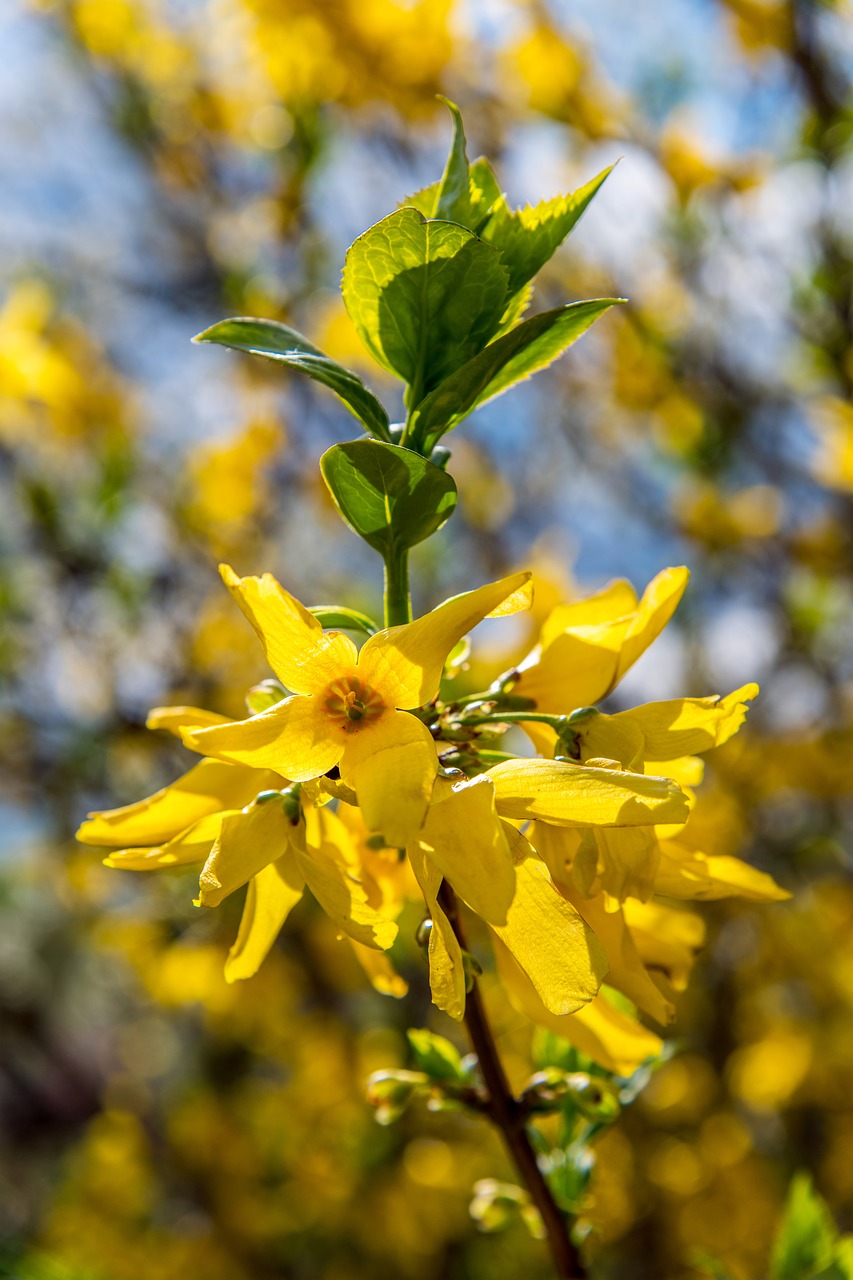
{"type": "Point", "coordinates": [627, 973]}
{"type": "Point", "coordinates": [392, 762]}
{"type": "Point", "coordinates": [208, 787]}
{"type": "Point", "coordinates": [304, 658]}
{"type": "Point", "coordinates": [465, 840]}
{"type": "Point", "coordinates": [687, 771]}
{"type": "Point", "coordinates": [579, 795]}
{"type": "Point", "coordinates": [616, 739]}
{"type": "Point", "coordinates": [685, 726]}
{"type": "Point", "coordinates": [173, 719]}
{"type": "Point", "coordinates": [247, 841]}
{"type": "Point", "coordinates": [560, 954]}
{"type": "Point", "coordinates": [381, 972]}
{"type": "Point", "coordinates": [616, 600]}
{"type": "Point", "coordinates": [404, 664]}
{"type": "Point", "coordinates": [689, 874]}
{"type": "Point", "coordinates": [271, 896]}
{"type": "Point", "coordinates": [628, 862]}
{"type": "Point", "coordinates": [192, 845]}
{"type": "Point", "coordinates": [295, 738]}
{"type": "Point", "coordinates": [326, 858]}
{"type": "Point", "coordinates": [574, 670]}
{"type": "Point", "coordinates": [660, 601]}
{"type": "Point", "coordinates": [446, 967]}
{"type": "Point", "coordinates": [607, 1035]}
{"type": "Point", "coordinates": [667, 938]}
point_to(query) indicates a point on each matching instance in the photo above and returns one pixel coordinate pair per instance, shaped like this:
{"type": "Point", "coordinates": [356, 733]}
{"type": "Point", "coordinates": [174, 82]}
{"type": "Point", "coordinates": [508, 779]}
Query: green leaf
{"type": "Point", "coordinates": [390, 496]}
{"type": "Point", "coordinates": [528, 347]}
{"type": "Point", "coordinates": [484, 192]}
{"type": "Point", "coordinates": [284, 345]}
{"type": "Point", "coordinates": [528, 237]}
{"type": "Point", "coordinates": [807, 1236]}
{"type": "Point", "coordinates": [425, 296]}
{"type": "Point", "coordinates": [453, 197]}
{"type": "Point", "coordinates": [435, 1056]}
{"type": "Point", "coordinates": [340, 618]}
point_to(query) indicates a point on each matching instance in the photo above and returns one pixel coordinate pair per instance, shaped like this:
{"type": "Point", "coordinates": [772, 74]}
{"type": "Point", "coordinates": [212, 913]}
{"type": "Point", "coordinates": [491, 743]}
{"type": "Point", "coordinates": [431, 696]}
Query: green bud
{"type": "Point", "coordinates": [593, 1096]}
{"type": "Point", "coordinates": [291, 805]}
{"type": "Point", "coordinates": [423, 933]}
{"type": "Point", "coordinates": [264, 797]}
{"type": "Point", "coordinates": [546, 1091]}
{"type": "Point", "coordinates": [390, 1092]}
{"type": "Point", "coordinates": [265, 695]}
{"type": "Point", "coordinates": [472, 969]}
{"type": "Point", "coordinates": [440, 457]}
{"type": "Point", "coordinates": [497, 1204]}
{"type": "Point", "coordinates": [583, 713]}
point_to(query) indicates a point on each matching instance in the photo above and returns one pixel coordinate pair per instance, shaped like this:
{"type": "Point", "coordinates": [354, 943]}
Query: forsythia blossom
{"type": "Point", "coordinates": [560, 855]}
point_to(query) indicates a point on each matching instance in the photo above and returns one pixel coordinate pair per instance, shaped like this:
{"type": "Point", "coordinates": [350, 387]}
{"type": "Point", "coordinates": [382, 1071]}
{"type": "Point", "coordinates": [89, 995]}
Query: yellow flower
{"type": "Point", "coordinates": [664, 732]}
{"type": "Point", "coordinates": [247, 828]}
{"type": "Point", "coordinates": [586, 647]}
{"type": "Point", "coordinates": [350, 709]}
{"type": "Point", "coordinates": [496, 872]}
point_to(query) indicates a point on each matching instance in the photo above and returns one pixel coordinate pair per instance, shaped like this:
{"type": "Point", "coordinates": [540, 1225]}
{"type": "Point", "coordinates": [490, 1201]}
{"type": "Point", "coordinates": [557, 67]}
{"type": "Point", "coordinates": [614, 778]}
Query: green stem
{"type": "Point", "coordinates": [398, 602]}
{"type": "Point", "coordinates": [557, 723]}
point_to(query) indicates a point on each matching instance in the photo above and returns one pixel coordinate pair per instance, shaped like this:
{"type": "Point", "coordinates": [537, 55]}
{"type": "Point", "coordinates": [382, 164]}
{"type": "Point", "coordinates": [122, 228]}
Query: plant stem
{"type": "Point", "coordinates": [398, 602]}
{"type": "Point", "coordinates": [506, 1113]}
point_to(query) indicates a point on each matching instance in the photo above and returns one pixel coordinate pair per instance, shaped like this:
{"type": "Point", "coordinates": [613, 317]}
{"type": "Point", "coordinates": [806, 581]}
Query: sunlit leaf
{"type": "Point", "coordinates": [528, 237]}
{"type": "Point", "coordinates": [425, 296]}
{"type": "Point", "coordinates": [390, 496]}
{"type": "Point", "coordinates": [530, 346]}
{"type": "Point", "coordinates": [286, 346]}
{"type": "Point", "coordinates": [435, 1056]}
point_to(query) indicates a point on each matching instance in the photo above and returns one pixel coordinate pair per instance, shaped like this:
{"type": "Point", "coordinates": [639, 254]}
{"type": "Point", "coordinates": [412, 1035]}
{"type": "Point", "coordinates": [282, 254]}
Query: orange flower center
{"type": "Point", "coordinates": [351, 703]}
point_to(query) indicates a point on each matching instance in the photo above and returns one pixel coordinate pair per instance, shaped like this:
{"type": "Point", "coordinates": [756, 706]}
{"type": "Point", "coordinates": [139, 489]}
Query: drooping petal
{"type": "Point", "coordinates": [685, 873]}
{"type": "Point", "coordinates": [627, 973]}
{"type": "Point", "coordinates": [660, 601]}
{"type": "Point", "coordinates": [607, 1035]}
{"type": "Point", "coordinates": [550, 941]}
{"type": "Point", "coordinates": [404, 664]}
{"type": "Point", "coordinates": [463, 837]}
{"type": "Point", "coordinates": [295, 738]}
{"type": "Point", "coordinates": [685, 726]}
{"type": "Point", "coordinates": [328, 874]}
{"type": "Point", "coordinates": [392, 762]}
{"type": "Point", "coordinates": [192, 845]}
{"type": "Point", "coordinates": [209, 786]}
{"type": "Point", "coordinates": [446, 966]}
{"type": "Point", "coordinates": [246, 843]}
{"type": "Point", "coordinates": [577, 795]}
{"type": "Point", "coordinates": [303, 657]}
{"type": "Point", "coordinates": [668, 939]}
{"type": "Point", "coordinates": [628, 862]}
{"type": "Point", "coordinates": [271, 896]}
{"type": "Point", "coordinates": [381, 972]}
{"type": "Point", "coordinates": [174, 719]}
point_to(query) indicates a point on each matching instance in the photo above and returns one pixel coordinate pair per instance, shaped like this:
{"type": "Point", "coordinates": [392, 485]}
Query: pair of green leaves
{"type": "Point", "coordinates": [436, 292]}
{"type": "Point", "coordinates": [391, 497]}
{"type": "Point", "coordinates": [437, 289]}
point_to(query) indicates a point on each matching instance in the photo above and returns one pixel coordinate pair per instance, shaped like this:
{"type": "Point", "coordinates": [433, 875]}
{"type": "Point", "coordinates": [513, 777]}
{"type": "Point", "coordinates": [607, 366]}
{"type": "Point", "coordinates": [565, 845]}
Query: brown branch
{"type": "Point", "coordinates": [508, 1115]}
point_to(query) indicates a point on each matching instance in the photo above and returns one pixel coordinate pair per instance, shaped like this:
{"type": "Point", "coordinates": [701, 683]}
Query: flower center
{"type": "Point", "coordinates": [351, 703]}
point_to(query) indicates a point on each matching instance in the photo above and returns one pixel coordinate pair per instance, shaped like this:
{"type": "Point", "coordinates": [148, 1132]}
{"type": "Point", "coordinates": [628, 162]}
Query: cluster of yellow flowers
{"type": "Point", "coordinates": [363, 786]}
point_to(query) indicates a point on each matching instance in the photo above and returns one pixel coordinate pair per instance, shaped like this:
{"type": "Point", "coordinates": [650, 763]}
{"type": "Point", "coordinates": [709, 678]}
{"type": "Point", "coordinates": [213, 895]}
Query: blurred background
{"type": "Point", "coordinates": [165, 163]}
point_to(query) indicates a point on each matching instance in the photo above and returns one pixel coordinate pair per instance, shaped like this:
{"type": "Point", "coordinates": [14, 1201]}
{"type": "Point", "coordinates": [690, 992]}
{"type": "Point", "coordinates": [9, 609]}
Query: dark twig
{"type": "Point", "coordinates": [507, 1113]}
